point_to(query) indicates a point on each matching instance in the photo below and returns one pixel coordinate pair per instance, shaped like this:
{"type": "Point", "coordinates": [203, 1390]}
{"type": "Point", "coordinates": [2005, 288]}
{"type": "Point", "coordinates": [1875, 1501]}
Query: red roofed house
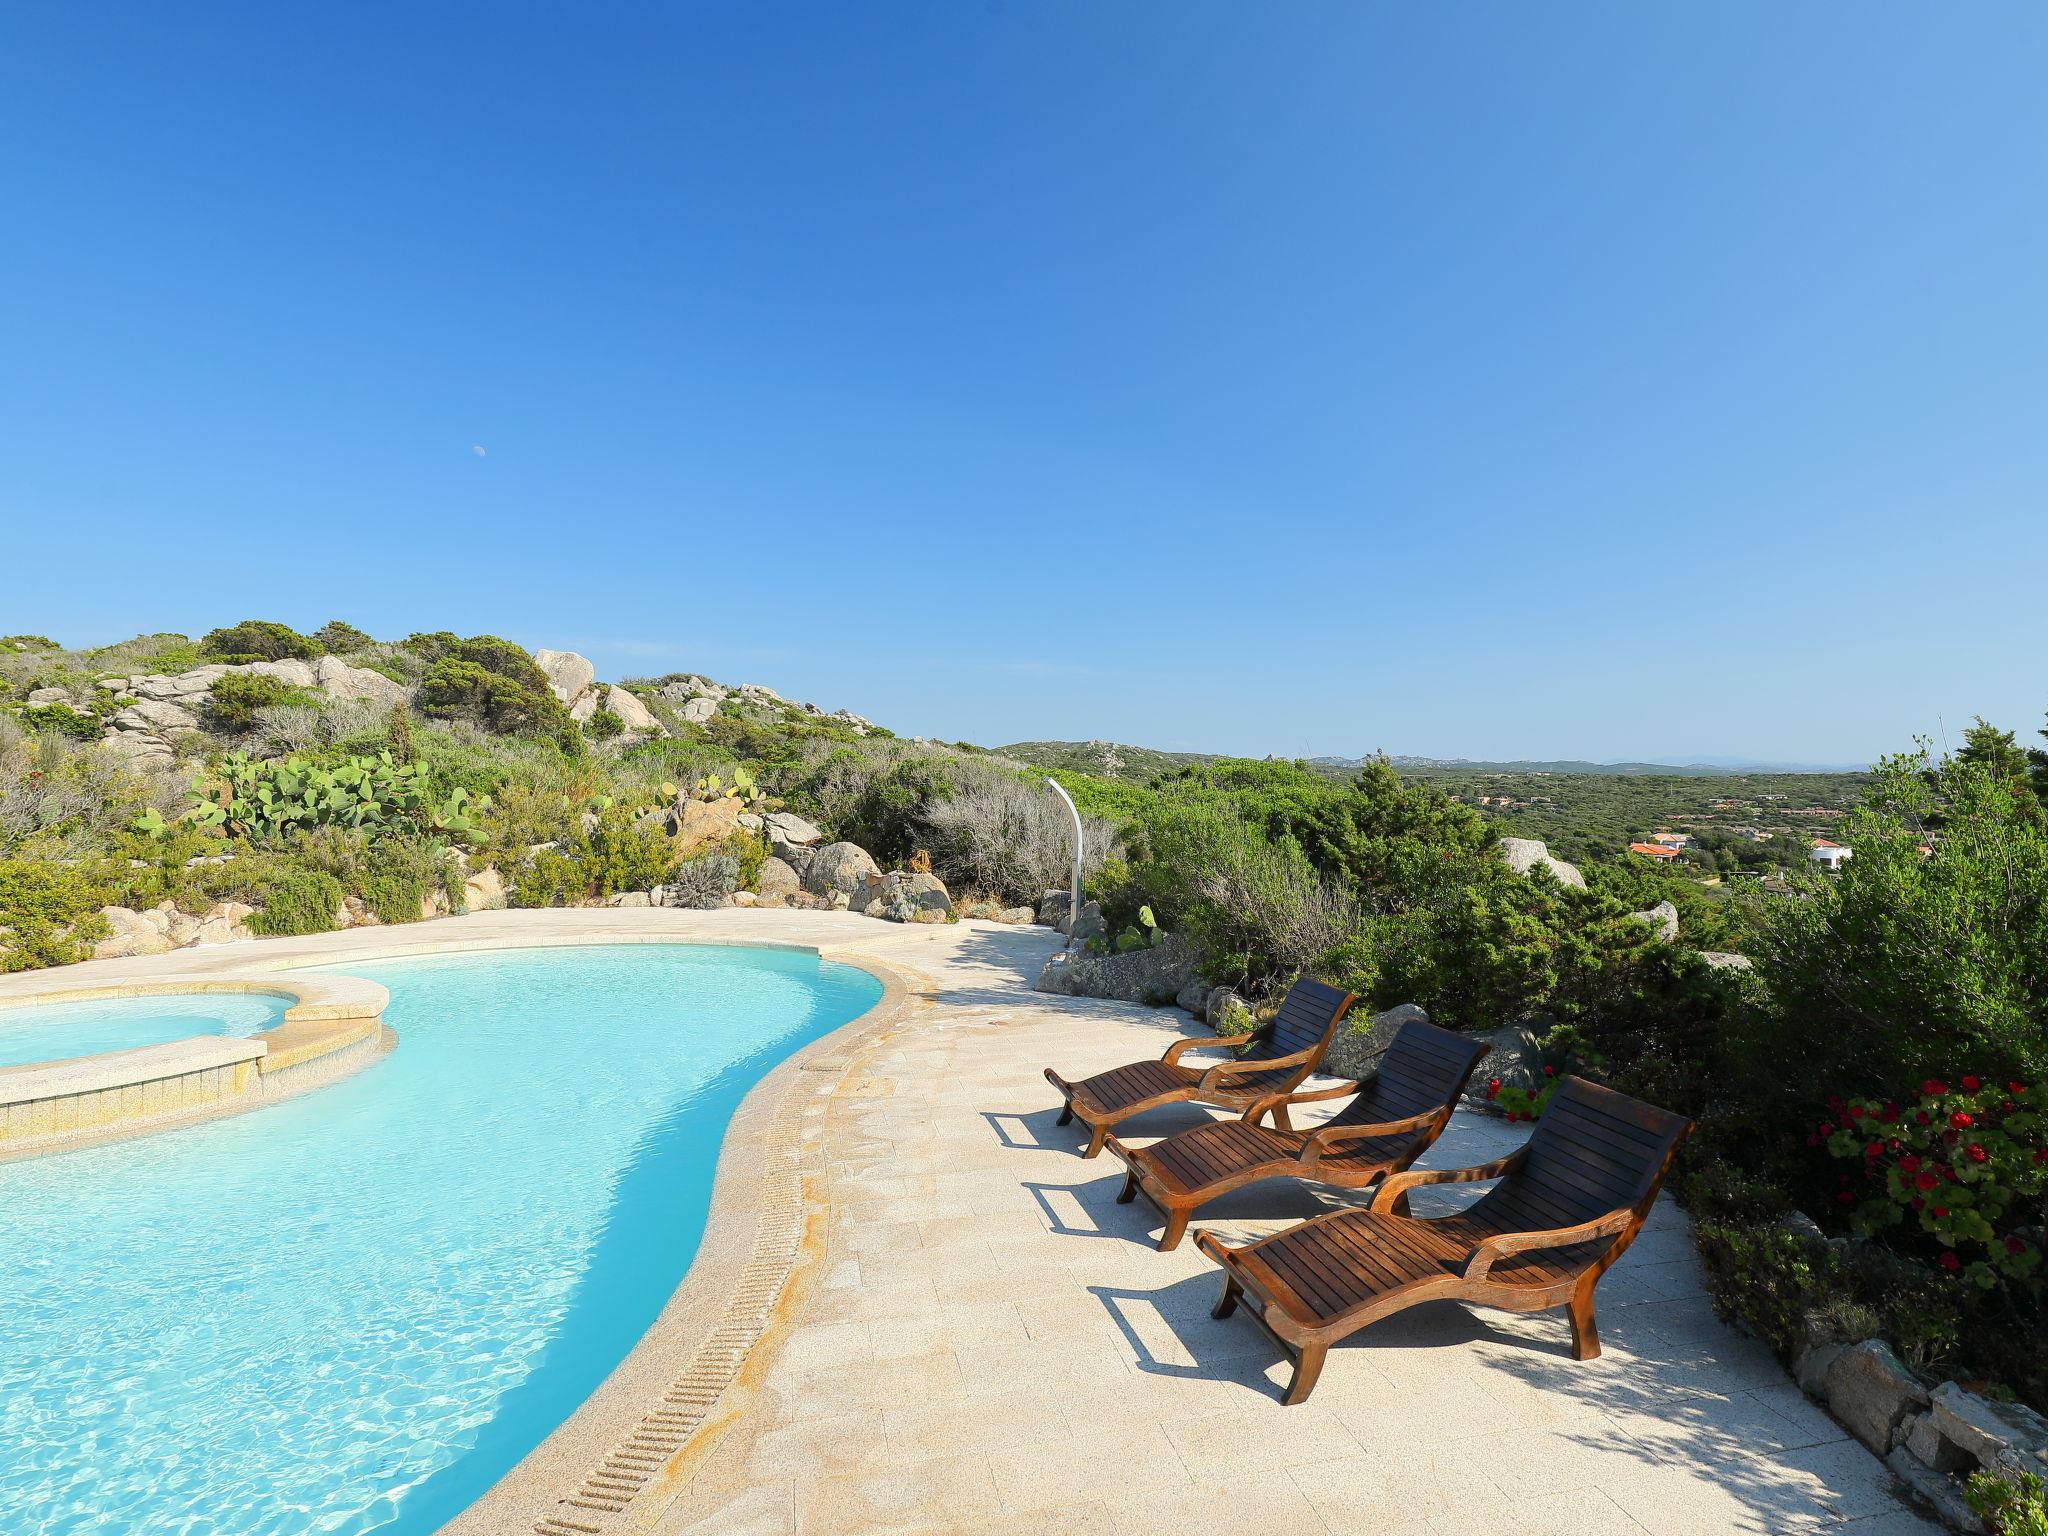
{"type": "Point", "coordinates": [1653, 850]}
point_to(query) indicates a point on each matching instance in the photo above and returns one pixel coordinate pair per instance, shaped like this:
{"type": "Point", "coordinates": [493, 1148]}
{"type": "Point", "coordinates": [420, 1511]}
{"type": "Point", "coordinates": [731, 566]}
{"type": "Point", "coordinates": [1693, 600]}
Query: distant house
{"type": "Point", "coordinates": [1830, 856]}
{"type": "Point", "coordinates": [1671, 839]}
{"type": "Point", "coordinates": [1653, 850]}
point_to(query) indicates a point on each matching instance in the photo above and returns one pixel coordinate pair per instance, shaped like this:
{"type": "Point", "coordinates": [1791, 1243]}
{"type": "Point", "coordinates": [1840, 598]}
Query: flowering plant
{"type": "Point", "coordinates": [1967, 1161]}
{"type": "Point", "coordinates": [1568, 1052]}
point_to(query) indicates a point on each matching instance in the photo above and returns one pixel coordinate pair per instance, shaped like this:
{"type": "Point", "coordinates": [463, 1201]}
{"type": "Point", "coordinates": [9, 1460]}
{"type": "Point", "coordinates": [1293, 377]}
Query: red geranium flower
{"type": "Point", "coordinates": [1921, 1118]}
{"type": "Point", "coordinates": [1976, 1153]}
{"type": "Point", "coordinates": [1934, 1087]}
{"type": "Point", "coordinates": [1492, 1086]}
{"type": "Point", "coordinates": [2015, 1247]}
{"type": "Point", "coordinates": [1909, 1164]}
{"type": "Point", "coordinates": [1941, 1213]}
{"type": "Point", "coordinates": [1926, 1181]}
{"type": "Point", "coordinates": [2015, 1089]}
{"type": "Point", "coordinates": [1827, 1128]}
{"type": "Point", "coordinates": [1846, 1198]}
{"type": "Point", "coordinates": [1961, 1121]}
{"type": "Point", "coordinates": [1971, 1084]}
{"type": "Point", "coordinates": [1951, 1263]}
{"type": "Point", "coordinates": [1919, 1204]}
{"type": "Point", "coordinates": [1855, 1111]}
{"type": "Point", "coordinates": [1889, 1113]}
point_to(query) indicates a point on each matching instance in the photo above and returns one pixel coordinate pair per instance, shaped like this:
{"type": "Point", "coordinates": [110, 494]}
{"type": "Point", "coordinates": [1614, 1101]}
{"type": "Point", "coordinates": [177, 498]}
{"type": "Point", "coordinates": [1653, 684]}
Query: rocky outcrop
{"type": "Point", "coordinates": [569, 675]}
{"type": "Point", "coordinates": [903, 898]}
{"type": "Point", "coordinates": [1226, 1012]}
{"type": "Point", "coordinates": [777, 878]}
{"type": "Point", "coordinates": [699, 823]}
{"type": "Point", "coordinates": [1663, 917]}
{"type": "Point", "coordinates": [1054, 908]}
{"type": "Point", "coordinates": [1872, 1393]}
{"type": "Point", "coordinates": [1361, 1041]}
{"type": "Point", "coordinates": [483, 889]}
{"type": "Point", "coordinates": [334, 676]}
{"type": "Point", "coordinates": [164, 928]}
{"type": "Point", "coordinates": [839, 869]}
{"type": "Point", "coordinates": [787, 830]}
{"type": "Point", "coordinates": [1522, 854]}
{"type": "Point", "coordinates": [637, 717]}
{"type": "Point", "coordinates": [155, 712]}
{"type": "Point", "coordinates": [1153, 975]}
{"type": "Point", "coordinates": [1727, 960]}
{"type": "Point", "coordinates": [1513, 1056]}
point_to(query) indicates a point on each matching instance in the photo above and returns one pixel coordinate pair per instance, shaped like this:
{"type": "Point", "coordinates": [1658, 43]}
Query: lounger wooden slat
{"type": "Point", "coordinates": [1391, 1120]}
{"type": "Point", "coordinates": [1561, 1211]}
{"type": "Point", "coordinates": [1277, 1056]}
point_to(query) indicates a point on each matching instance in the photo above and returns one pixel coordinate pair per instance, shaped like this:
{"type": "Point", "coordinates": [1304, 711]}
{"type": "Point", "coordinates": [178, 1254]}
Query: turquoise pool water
{"type": "Point", "coordinates": [355, 1310]}
{"type": "Point", "coordinates": [121, 1023]}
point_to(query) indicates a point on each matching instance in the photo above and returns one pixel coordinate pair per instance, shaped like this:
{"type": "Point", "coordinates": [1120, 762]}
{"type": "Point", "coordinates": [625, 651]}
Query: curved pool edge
{"type": "Point", "coordinates": [623, 1454]}
{"type": "Point", "coordinates": [333, 1028]}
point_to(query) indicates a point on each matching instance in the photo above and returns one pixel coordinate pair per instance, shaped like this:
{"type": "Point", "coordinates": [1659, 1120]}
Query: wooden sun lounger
{"type": "Point", "coordinates": [1390, 1121]}
{"type": "Point", "coordinates": [1280, 1055]}
{"type": "Point", "coordinates": [1566, 1207]}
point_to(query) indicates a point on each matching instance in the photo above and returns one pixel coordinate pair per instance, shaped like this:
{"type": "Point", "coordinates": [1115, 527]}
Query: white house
{"type": "Point", "coordinates": [1830, 856]}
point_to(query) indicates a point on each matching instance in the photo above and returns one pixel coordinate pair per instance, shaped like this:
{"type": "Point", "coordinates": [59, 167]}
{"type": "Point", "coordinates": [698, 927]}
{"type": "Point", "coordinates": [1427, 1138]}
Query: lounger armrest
{"type": "Point", "coordinates": [1216, 1075]}
{"type": "Point", "coordinates": [1494, 1249]}
{"type": "Point", "coordinates": [1179, 1048]}
{"type": "Point", "coordinates": [1393, 1188]}
{"type": "Point", "coordinates": [1336, 1135]}
{"type": "Point", "coordinates": [1272, 1101]}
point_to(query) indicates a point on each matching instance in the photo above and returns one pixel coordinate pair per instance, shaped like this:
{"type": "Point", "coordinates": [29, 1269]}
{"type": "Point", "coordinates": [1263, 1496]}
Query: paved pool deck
{"type": "Point", "coordinates": [989, 1343]}
{"type": "Point", "coordinates": [968, 1334]}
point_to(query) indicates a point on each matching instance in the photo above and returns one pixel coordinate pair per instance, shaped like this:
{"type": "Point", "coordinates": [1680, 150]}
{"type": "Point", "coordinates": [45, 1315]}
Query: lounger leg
{"type": "Point", "coordinates": [1585, 1336]}
{"type": "Point", "coordinates": [1100, 1134]}
{"type": "Point", "coordinates": [1066, 1113]}
{"type": "Point", "coordinates": [1307, 1367]}
{"type": "Point", "coordinates": [1227, 1302]}
{"type": "Point", "coordinates": [1280, 1120]}
{"type": "Point", "coordinates": [1129, 1192]}
{"type": "Point", "coordinates": [1176, 1227]}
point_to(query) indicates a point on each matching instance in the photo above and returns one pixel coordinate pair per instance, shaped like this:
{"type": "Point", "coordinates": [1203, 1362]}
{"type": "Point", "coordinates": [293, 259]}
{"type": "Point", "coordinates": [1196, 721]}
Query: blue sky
{"type": "Point", "coordinates": [1486, 380]}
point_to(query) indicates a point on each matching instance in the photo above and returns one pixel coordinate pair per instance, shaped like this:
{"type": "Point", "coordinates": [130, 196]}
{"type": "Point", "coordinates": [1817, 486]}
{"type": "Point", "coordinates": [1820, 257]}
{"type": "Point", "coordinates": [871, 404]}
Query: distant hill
{"type": "Point", "coordinates": [1119, 760]}
{"type": "Point", "coordinates": [1106, 759]}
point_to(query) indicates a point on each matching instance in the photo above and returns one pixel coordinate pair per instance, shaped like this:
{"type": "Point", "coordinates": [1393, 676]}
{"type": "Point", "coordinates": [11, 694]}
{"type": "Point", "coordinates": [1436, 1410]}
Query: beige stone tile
{"type": "Point", "coordinates": [904, 1498]}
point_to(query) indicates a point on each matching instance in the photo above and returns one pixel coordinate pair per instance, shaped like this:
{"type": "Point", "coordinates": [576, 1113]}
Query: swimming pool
{"type": "Point", "coordinates": [356, 1310]}
{"type": "Point", "coordinates": [53, 1031]}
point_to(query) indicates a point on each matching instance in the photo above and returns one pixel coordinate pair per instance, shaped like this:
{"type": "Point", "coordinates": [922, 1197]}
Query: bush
{"type": "Point", "coordinates": [1008, 838]}
{"type": "Point", "coordinates": [1964, 1165]}
{"type": "Point", "coordinates": [233, 700]}
{"type": "Point", "coordinates": [603, 725]}
{"type": "Point", "coordinates": [49, 914]}
{"type": "Point", "coordinates": [493, 684]}
{"type": "Point", "coordinates": [62, 719]}
{"type": "Point", "coordinates": [548, 877]}
{"type": "Point", "coordinates": [258, 640]}
{"type": "Point", "coordinates": [339, 638]}
{"type": "Point", "coordinates": [624, 855]}
{"type": "Point", "coordinates": [1929, 949]}
{"type": "Point", "coordinates": [704, 881]}
{"type": "Point", "coordinates": [299, 901]}
{"type": "Point", "coordinates": [1766, 1279]}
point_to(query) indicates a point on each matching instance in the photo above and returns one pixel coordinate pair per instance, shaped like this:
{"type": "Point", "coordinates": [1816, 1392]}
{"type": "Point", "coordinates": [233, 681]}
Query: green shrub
{"type": "Point", "coordinates": [1766, 1279]}
{"type": "Point", "coordinates": [624, 855]}
{"type": "Point", "coordinates": [2016, 1506]}
{"type": "Point", "coordinates": [233, 700]}
{"type": "Point", "coordinates": [339, 638]}
{"type": "Point", "coordinates": [548, 878]}
{"type": "Point", "coordinates": [299, 901]}
{"type": "Point", "coordinates": [49, 914]}
{"type": "Point", "coordinates": [258, 640]}
{"type": "Point", "coordinates": [493, 684]}
{"type": "Point", "coordinates": [1926, 955]}
{"type": "Point", "coordinates": [62, 719]}
{"type": "Point", "coordinates": [603, 725]}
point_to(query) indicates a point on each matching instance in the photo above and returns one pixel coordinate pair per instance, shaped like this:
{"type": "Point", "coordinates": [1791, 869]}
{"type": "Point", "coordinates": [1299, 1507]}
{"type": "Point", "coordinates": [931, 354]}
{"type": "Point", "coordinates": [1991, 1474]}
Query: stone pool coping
{"type": "Point", "coordinates": [332, 1028]}
{"type": "Point", "coordinates": [627, 1446]}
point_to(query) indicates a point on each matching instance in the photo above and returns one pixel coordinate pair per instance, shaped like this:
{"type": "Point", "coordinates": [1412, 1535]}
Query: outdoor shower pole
{"type": "Point", "coordinates": [1074, 899]}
